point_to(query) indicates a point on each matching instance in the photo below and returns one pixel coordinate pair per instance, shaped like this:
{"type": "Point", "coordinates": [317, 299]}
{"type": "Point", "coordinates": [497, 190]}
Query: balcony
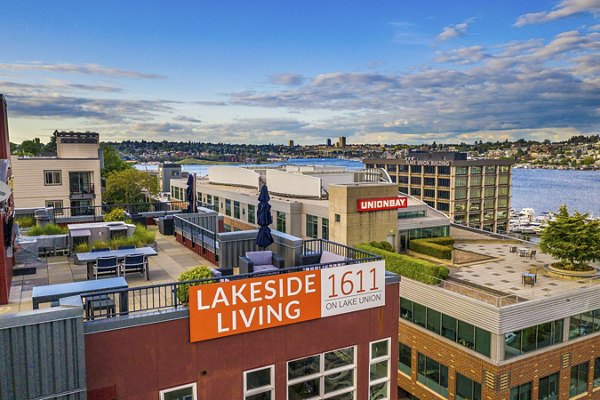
{"type": "Point", "coordinates": [81, 191]}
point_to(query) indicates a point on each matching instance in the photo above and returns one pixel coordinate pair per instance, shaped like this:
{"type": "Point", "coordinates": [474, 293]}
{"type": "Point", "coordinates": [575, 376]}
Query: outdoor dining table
{"type": "Point", "coordinates": [49, 293]}
{"type": "Point", "coordinates": [523, 251]}
{"type": "Point", "coordinates": [91, 257]}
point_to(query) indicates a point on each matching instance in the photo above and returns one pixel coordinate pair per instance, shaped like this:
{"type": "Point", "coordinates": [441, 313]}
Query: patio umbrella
{"type": "Point", "coordinates": [263, 215]}
{"type": "Point", "coordinates": [189, 194]}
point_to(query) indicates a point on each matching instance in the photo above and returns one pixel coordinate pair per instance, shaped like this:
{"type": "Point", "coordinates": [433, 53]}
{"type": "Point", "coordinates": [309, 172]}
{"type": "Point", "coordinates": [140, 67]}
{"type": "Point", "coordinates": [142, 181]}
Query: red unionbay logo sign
{"type": "Point", "coordinates": [381, 203]}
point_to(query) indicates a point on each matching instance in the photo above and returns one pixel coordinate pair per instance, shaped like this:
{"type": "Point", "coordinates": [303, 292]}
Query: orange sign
{"type": "Point", "coordinates": [229, 308]}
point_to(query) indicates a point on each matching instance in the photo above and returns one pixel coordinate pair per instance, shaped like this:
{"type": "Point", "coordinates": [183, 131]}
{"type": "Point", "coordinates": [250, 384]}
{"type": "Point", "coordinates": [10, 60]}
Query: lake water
{"type": "Point", "coordinates": [540, 189]}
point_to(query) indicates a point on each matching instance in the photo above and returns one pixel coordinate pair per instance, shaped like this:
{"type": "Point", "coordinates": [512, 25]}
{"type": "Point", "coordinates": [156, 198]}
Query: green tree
{"type": "Point", "coordinates": [31, 147]}
{"type": "Point", "coordinates": [129, 186]}
{"type": "Point", "coordinates": [112, 161]}
{"type": "Point", "coordinates": [50, 147]}
{"type": "Point", "coordinates": [572, 239]}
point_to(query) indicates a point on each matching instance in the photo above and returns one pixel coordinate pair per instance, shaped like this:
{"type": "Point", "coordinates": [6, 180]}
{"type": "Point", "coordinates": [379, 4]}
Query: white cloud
{"type": "Point", "coordinates": [287, 79]}
{"type": "Point", "coordinates": [454, 31]}
{"type": "Point", "coordinates": [563, 9]}
{"type": "Point", "coordinates": [88, 69]}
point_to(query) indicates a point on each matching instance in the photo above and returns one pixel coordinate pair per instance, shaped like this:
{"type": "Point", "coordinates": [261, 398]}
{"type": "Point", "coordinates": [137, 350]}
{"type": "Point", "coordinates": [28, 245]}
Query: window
{"type": "Point", "coordinates": [429, 181]}
{"type": "Point", "coordinates": [579, 374]}
{"type": "Point", "coordinates": [281, 221]}
{"type": "Point", "coordinates": [403, 179]}
{"type": "Point", "coordinates": [432, 374]}
{"type": "Point", "coordinates": [323, 376]}
{"type": "Point", "coordinates": [429, 192]}
{"type": "Point", "coordinates": [391, 167]}
{"type": "Point", "coordinates": [460, 181]}
{"type": "Point", "coordinates": [259, 383]}
{"type": "Point", "coordinates": [467, 389]}
{"type": "Point", "coordinates": [522, 392]}
{"type": "Point", "coordinates": [489, 192]}
{"type": "Point", "coordinates": [503, 180]}
{"type": "Point", "coordinates": [502, 202]}
{"type": "Point", "coordinates": [466, 334]}
{"type": "Point", "coordinates": [251, 214]}
{"type": "Point", "coordinates": [490, 169]}
{"type": "Point", "coordinates": [434, 321]}
{"type": "Point", "coordinates": [216, 203]}
{"type": "Point", "coordinates": [443, 194]}
{"type": "Point", "coordinates": [548, 389]}
{"type": "Point", "coordinates": [532, 338]}
{"type": "Point", "coordinates": [430, 169]}
{"type": "Point", "coordinates": [236, 209]}
{"type": "Point", "coordinates": [475, 181]}
{"type": "Point", "coordinates": [415, 169]}
{"type": "Point", "coordinates": [489, 203]}
{"type": "Point", "coordinates": [584, 324]}
{"type": "Point", "coordinates": [597, 372]}
{"type": "Point", "coordinates": [460, 194]}
{"type": "Point", "coordinates": [379, 370]}
{"type": "Point", "coordinates": [54, 203]}
{"type": "Point", "coordinates": [404, 358]}
{"type": "Point", "coordinates": [475, 170]}
{"type": "Point", "coordinates": [415, 191]}
{"type": "Point", "coordinates": [490, 180]}
{"type": "Point", "coordinates": [443, 170]}
{"type": "Point", "coordinates": [402, 168]}
{"type": "Point", "coordinates": [312, 223]}
{"type": "Point", "coordinates": [208, 199]}
{"type": "Point", "coordinates": [325, 228]}
{"type": "Point", "coordinates": [445, 182]}
{"type": "Point", "coordinates": [52, 178]}
{"type": "Point", "coordinates": [415, 180]}
{"type": "Point", "coordinates": [227, 207]}
{"type": "Point", "coordinates": [338, 218]}
{"type": "Point", "coordinates": [185, 392]}
{"type": "Point", "coordinates": [504, 168]}
{"type": "Point", "coordinates": [461, 170]}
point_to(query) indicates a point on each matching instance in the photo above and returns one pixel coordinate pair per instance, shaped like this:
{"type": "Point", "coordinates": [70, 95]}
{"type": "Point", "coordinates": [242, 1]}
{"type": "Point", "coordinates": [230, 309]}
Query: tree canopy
{"type": "Point", "coordinates": [112, 161]}
{"type": "Point", "coordinates": [572, 239]}
{"type": "Point", "coordinates": [129, 186]}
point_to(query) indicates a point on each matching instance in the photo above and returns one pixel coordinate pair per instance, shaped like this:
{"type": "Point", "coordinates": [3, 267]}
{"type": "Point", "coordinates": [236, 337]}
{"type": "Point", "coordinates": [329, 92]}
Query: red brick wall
{"type": "Point", "coordinates": [135, 363]}
{"type": "Point", "coordinates": [529, 369]}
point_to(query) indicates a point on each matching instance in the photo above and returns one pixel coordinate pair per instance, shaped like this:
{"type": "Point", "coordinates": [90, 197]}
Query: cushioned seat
{"type": "Point", "coordinates": [260, 261]}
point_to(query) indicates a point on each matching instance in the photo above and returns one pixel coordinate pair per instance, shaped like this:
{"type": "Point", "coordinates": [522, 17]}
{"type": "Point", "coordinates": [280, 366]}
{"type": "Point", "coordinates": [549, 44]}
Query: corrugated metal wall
{"type": "Point", "coordinates": [42, 355]}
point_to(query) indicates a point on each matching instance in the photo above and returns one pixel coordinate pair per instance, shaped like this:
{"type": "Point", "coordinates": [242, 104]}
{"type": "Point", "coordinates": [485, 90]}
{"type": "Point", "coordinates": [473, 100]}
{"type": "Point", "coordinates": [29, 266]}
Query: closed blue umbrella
{"type": "Point", "coordinates": [189, 194]}
{"type": "Point", "coordinates": [264, 219]}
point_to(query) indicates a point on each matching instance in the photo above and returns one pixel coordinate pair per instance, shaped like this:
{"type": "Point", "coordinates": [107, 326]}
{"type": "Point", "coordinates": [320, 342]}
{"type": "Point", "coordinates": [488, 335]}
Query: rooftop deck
{"type": "Point", "coordinates": [497, 276]}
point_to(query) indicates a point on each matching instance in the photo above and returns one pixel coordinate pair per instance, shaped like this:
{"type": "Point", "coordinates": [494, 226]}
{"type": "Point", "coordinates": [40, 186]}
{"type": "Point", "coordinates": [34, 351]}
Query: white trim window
{"type": "Point", "coordinates": [379, 369]}
{"type": "Point", "coordinates": [183, 392]}
{"type": "Point", "coordinates": [329, 375]}
{"type": "Point", "coordinates": [259, 383]}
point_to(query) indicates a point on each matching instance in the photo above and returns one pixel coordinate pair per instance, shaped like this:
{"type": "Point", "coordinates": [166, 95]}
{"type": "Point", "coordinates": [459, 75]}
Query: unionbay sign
{"type": "Point", "coordinates": [246, 305]}
{"type": "Point", "coordinates": [381, 203]}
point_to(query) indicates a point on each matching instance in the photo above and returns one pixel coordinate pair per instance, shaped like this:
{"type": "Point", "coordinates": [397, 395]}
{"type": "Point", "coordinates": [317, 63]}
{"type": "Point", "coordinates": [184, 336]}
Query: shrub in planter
{"type": "Point", "coordinates": [419, 270]}
{"type": "Point", "coordinates": [143, 235]}
{"type": "Point", "coordinates": [387, 246]}
{"type": "Point", "coordinates": [49, 229]}
{"type": "Point", "coordinates": [117, 214]}
{"type": "Point", "coordinates": [100, 244]}
{"type": "Point", "coordinates": [82, 248]}
{"type": "Point", "coordinates": [197, 273]}
{"type": "Point", "coordinates": [25, 221]}
{"type": "Point", "coordinates": [434, 247]}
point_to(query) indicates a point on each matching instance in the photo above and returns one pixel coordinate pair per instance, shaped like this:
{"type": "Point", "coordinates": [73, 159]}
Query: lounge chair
{"type": "Point", "coordinates": [260, 261]}
{"type": "Point", "coordinates": [326, 257]}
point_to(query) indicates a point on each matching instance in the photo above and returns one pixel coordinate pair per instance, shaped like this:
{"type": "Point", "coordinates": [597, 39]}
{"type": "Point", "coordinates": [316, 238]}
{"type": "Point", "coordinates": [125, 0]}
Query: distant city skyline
{"type": "Point", "coordinates": [271, 72]}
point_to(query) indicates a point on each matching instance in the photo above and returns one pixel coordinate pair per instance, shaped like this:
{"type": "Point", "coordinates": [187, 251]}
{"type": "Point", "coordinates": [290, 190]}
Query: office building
{"type": "Point", "coordinates": [71, 178]}
{"type": "Point", "coordinates": [166, 172]}
{"type": "Point", "coordinates": [316, 202]}
{"type": "Point", "coordinates": [342, 142]}
{"type": "Point", "coordinates": [328, 143]}
{"type": "Point", "coordinates": [291, 143]}
{"type": "Point", "coordinates": [473, 192]}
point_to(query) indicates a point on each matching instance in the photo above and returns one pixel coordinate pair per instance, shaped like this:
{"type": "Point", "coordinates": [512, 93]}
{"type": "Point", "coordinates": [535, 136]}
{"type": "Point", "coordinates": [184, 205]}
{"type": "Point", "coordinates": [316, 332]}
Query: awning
{"type": "Point", "coordinates": [80, 233]}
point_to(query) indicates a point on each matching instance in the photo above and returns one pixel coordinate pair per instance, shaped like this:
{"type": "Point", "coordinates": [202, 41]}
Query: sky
{"type": "Point", "coordinates": [398, 71]}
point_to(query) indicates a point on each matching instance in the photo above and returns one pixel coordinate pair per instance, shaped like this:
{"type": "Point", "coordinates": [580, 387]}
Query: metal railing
{"type": "Point", "coordinates": [81, 188]}
{"type": "Point", "coordinates": [317, 246]}
{"type": "Point", "coordinates": [189, 227]}
{"type": "Point", "coordinates": [169, 296]}
{"type": "Point", "coordinates": [97, 212]}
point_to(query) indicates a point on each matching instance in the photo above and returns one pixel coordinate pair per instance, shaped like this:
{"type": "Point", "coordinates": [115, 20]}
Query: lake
{"type": "Point", "coordinates": [540, 189]}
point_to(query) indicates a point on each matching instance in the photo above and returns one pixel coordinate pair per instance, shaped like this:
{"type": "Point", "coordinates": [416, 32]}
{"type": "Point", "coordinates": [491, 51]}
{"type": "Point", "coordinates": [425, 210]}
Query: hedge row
{"type": "Point", "coordinates": [435, 247]}
{"type": "Point", "coordinates": [419, 270]}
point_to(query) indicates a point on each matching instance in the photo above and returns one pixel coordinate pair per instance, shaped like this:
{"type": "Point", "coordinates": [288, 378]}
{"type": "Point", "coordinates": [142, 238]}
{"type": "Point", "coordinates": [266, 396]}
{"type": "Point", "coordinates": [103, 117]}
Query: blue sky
{"type": "Point", "coordinates": [266, 72]}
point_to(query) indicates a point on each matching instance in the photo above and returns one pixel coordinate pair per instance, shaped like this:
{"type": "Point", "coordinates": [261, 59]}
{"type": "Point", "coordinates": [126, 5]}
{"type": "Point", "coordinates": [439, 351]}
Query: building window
{"type": "Point", "coordinates": [216, 203]}
{"type": "Point", "coordinates": [251, 214]}
{"type": "Point", "coordinates": [490, 180]}
{"type": "Point", "coordinates": [429, 181]}
{"type": "Point", "coordinates": [503, 191]}
{"type": "Point", "coordinates": [443, 194]}
{"type": "Point", "coordinates": [52, 178]}
{"type": "Point", "coordinates": [228, 207]}
{"type": "Point", "coordinates": [444, 170]}
{"type": "Point", "coordinates": [415, 191]}
{"type": "Point", "coordinates": [579, 375]}
{"type": "Point", "coordinates": [490, 169]}
{"type": "Point", "coordinates": [281, 221]}
{"type": "Point", "coordinates": [461, 170]}
{"type": "Point", "coordinates": [475, 170]}
{"type": "Point", "coordinates": [467, 389]}
{"type": "Point", "coordinates": [323, 376]}
{"type": "Point", "coordinates": [403, 179]}
{"type": "Point", "coordinates": [391, 167]}
{"type": "Point", "coordinates": [489, 192]}
{"type": "Point", "coordinates": [236, 209]}
{"type": "Point", "coordinates": [185, 392]}
{"type": "Point", "coordinates": [475, 181]}
{"type": "Point", "coordinates": [54, 203]}
{"type": "Point", "coordinates": [460, 332]}
{"type": "Point", "coordinates": [432, 374]}
{"type": "Point", "coordinates": [312, 224]}
{"type": "Point", "coordinates": [393, 178]}
{"type": "Point", "coordinates": [429, 192]}
{"type": "Point", "coordinates": [430, 169]}
{"type": "Point", "coordinates": [503, 180]}
{"type": "Point", "coordinates": [504, 168]}
{"type": "Point", "coordinates": [415, 169]}
{"type": "Point", "coordinates": [404, 358]}
{"type": "Point", "coordinates": [208, 199]}
{"type": "Point", "coordinates": [379, 370]}
{"type": "Point", "coordinates": [415, 180]}
{"type": "Point", "coordinates": [411, 214]}
{"type": "Point", "coordinates": [532, 338]}
{"type": "Point", "coordinates": [522, 392]}
{"type": "Point", "coordinates": [548, 389]}
{"type": "Point", "coordinates": [445, 182]}
{"type": "Point", "coordinates": [443, 206]}
{"type": "Point", "coordinates": [325, 228]}
{"type": "Point", "coordinates": [259, 383]}
{"type": "Point", "coordinates": [338, 218]}
{"type": "Point", "coordinates": [460, 181]}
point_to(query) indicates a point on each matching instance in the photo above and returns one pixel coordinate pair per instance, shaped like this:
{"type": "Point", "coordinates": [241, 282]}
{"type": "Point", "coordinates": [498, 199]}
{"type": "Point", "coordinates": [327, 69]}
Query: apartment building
{"type": "Point", "coordinates": [486, 335]}
{"type": "Point", "coordinates": [473, 192]}
{"type": "Point", "coordinates": [317, 202]}
{"type": "Point", "coordinates": [71, 178]}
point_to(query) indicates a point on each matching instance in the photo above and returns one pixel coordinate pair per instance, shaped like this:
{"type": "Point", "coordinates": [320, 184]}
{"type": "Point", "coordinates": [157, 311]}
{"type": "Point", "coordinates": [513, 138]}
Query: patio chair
{"type": "Point", "coordinates": [260, 261]}
{"type": "Point", "coordinates": [324, 257]}
{"type": "Point", "coordinates": [106, 266]}
{"type": "Point", "coordinates": [100, 249]}
{"type": "Point", "coordinates": [128, 247]}
{"type": "Point", "coordinates": [532, 253]}
{"type": "Point", "coordinates": [100, 303]}
{"type": "Point", "coordinates": [134, 263]}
